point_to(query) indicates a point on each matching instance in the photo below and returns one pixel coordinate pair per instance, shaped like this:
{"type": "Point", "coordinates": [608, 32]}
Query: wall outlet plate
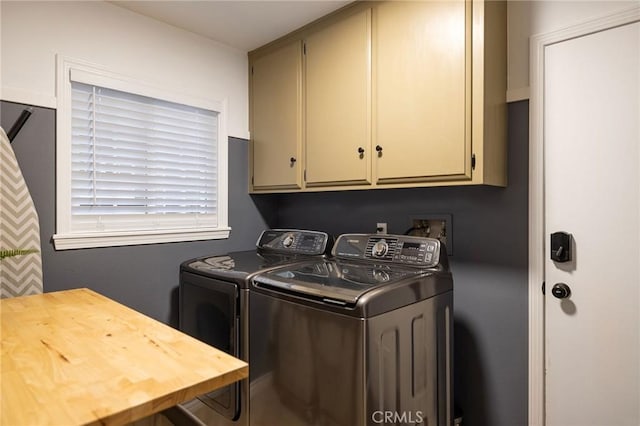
{"type": "Point", "coordinates": [433, 225]}
{"type": "Point", "coordinates": [381, 227]}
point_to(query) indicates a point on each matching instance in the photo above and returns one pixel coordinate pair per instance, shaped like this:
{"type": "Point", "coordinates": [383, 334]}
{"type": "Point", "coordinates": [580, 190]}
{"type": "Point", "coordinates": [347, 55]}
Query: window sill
{"type": "Point", "coordinates": [129, 238]}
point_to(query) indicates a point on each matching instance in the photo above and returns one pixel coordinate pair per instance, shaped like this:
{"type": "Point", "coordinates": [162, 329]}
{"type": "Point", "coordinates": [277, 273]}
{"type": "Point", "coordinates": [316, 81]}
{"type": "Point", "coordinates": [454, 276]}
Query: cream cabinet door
{"type": "Point", "coordinates": [276, 118]}
{"type": "Point", "coordinates": [422, 74]}
{"type": "Point", "coordinates": [338, 102]}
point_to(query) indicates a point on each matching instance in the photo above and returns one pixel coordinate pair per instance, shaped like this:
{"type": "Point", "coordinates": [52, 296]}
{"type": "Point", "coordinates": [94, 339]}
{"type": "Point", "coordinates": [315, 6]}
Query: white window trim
{"type": "Point", "coordinates": [65, 238]}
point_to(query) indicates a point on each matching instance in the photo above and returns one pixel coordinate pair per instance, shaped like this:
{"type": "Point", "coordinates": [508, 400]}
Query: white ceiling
{"type": "Point", "coordinates": [242, 24]}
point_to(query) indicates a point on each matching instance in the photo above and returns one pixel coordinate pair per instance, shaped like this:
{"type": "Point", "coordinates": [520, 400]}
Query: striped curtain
{"type": "Point", "coordinates": [21, 262]}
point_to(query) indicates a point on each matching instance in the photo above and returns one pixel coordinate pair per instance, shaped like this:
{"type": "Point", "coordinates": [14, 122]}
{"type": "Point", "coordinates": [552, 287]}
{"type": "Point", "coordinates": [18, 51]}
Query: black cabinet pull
{"type": "Point", "coordinates": [293, 159]}
{"type": "Point", "coordinates": [378, 148]}
{"type": "Point", "coordinates": [360, 150]}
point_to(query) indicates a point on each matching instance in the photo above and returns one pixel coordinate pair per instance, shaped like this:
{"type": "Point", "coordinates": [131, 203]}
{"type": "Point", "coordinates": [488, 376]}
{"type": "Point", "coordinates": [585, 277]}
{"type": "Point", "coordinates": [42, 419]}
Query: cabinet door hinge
{"type": "Point", "coordinates": [473, 162]}
{"type": "Point", "coordinates": [543, 287]}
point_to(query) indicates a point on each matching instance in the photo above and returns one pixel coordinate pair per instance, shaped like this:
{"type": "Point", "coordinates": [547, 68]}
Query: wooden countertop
{"type": "Point", "coordinates": [76, 357]}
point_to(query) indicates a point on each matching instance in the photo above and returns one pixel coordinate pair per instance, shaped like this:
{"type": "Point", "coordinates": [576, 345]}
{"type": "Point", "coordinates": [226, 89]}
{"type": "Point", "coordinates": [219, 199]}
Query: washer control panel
{"type": "Point", "coordinates": [402, 249]}
{"type": "Point", "coordinates": [293, 241]}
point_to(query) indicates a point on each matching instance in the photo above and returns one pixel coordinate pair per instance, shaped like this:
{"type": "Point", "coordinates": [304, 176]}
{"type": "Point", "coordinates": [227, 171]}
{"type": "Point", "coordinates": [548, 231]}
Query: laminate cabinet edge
{"type": "Point", "coordinates": [489, 89]}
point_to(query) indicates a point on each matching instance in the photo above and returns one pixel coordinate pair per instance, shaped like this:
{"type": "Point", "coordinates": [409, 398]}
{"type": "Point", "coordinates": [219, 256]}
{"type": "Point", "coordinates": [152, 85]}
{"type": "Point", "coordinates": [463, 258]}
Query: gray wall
{"type": "Point", "coordinates": [489, 259]}
{"type": "Point", "coordinates": [489, 265]}
{"type": "Point", "coordinates": [143, 277]}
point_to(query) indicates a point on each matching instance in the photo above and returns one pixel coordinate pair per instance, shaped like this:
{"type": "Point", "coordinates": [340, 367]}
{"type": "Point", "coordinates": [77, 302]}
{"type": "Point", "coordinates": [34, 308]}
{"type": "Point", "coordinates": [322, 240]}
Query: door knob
{"type": "Point", "coordinates": [561, 291]}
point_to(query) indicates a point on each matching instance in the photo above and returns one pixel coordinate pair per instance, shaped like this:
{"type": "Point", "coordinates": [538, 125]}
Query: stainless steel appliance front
{"type": "Point", "coordinates": [364, 339]}
{"type": "Point", "coordinates": [316, 367]}
{"type": "Point", "coordinates": [214, 307]}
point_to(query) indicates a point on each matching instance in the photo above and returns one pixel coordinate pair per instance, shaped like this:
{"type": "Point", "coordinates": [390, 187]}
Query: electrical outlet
{"type": "Point", "coordinates": [381, 227]}
{"type": "Point", "coordinates": [437, 226]}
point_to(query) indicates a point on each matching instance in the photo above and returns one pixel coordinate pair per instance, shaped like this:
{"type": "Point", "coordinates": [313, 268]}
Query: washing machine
{"type": "Point", "coordinates": [362, 338]}
{"type": "Point", "coordinates": [214, 307]}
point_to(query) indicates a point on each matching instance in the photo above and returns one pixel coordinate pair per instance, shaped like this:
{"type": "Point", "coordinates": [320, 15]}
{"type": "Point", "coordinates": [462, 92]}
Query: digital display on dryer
{"type": "Point", "coordinates": [410, 249]}
{"type": "Point", "coordinates": [307, 242]}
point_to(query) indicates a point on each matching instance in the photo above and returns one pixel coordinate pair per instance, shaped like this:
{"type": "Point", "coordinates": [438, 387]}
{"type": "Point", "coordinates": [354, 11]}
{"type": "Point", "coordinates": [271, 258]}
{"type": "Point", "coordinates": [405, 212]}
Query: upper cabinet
{"type": "Point", "coordinates": [385, 94]}
{"type": "Point", "coordinates": [422, 82]}
{"type": "Point", "coordinates": [276, 118]}
{"type": "Point", "coordinates": [338, 102]}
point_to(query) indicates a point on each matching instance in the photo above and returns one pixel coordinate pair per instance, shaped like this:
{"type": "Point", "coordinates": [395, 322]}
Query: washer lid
{"type": "Point", "coordinates": [337, 282]}
{"type": "Point", "coordinates": [294, 241]}
{"type": "Point", "coordinates": [236, 266]}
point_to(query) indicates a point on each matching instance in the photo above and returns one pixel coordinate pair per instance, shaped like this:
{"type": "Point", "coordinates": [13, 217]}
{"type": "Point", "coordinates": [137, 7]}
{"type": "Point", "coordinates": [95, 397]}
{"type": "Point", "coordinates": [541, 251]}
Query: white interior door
{"type": "Point", "coordinates": [592, 191]}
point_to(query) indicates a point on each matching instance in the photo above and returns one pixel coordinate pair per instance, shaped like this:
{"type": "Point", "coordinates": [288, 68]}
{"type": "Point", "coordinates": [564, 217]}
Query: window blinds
{"type": "Point", "coordinates": [137, 155]}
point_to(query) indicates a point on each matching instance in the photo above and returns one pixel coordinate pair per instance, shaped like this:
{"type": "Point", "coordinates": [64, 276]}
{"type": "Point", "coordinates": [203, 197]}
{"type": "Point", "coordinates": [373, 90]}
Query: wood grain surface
{"type": "Point", "coordinates": [76, 357]}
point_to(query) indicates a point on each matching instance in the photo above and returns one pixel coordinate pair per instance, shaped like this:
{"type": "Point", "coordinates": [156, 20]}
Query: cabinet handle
{"type": "Point", "coordinates": [360, 150]}
{"type": "Point", "coordinates": [293, 160]}
{"type": "Point", "coordinates": [378, 148]}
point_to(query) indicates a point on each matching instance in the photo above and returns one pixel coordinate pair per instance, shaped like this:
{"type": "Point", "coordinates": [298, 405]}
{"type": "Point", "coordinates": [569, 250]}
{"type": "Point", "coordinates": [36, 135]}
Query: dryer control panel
{"type": "Point", "coordinates": [293, 241]}
{"type": "Point", "coordinates": [402, 249]}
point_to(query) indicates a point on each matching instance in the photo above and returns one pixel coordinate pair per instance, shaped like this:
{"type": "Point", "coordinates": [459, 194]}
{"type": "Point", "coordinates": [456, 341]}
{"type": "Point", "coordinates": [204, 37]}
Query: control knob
{"type": "Point", "coordinates": [380, 248]}
{"type": "Point", "coordinates": [288, 240]}
{"type": "Point", "coordinates": [381, 276]}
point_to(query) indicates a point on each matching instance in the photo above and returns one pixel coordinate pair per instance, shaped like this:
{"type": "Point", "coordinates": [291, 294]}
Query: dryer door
{"type": "Point", "coordinates": [209, 311]}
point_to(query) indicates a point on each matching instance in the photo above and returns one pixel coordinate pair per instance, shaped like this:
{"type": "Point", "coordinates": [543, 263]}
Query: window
{"type": "Point", "coordinates": [136, 164]}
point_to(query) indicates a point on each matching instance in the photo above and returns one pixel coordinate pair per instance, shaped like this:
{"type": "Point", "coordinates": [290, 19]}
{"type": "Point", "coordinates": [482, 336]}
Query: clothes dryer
{"type": "Point", "coordinates": [214, 307]}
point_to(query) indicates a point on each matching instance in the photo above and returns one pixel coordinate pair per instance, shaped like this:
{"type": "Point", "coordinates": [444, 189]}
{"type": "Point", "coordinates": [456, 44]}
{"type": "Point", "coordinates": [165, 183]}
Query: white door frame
{"type": "Point", "coordinates": [537, 239]}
